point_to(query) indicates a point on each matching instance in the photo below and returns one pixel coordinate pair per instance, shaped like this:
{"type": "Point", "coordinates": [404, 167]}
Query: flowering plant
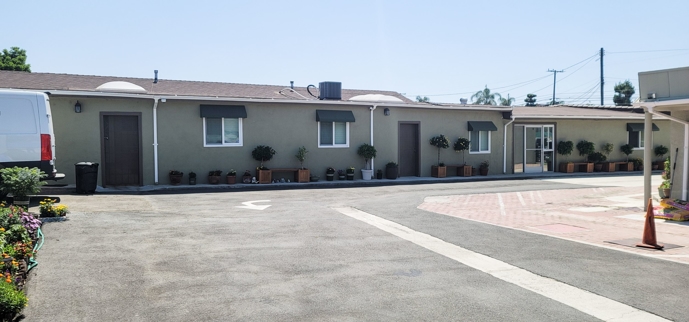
{"type": "Point", "coordinates": [350, 170]}
{"type": "Point", "coordinates": [48, 208]}
{"type": "Point", "coordinates": [231, 173]}
{"type": "Point", "coordinates": [330, 170]}
{"type": "Point", "coordinates": [340, 172]}
{"type": "Point", "coordinates": [176, 173]}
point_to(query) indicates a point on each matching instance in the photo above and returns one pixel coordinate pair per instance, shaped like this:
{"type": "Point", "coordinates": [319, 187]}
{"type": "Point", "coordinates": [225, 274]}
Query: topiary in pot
{"type": "Point", "coordinates": [461, 145]}
{"type": "Point", "coordinates": [627, 149]}
{"type": "Point", "coordinates": [263, 153]}
{"type": "Point", "coordinates": [565, 148]}
{"type": "Point", "coordinates": [440, 142]}
{"type": "Point", "coordinates": [660, 151]}
{"type": "Point", "coordinates": [367, 152]}
{"type": "Point", "coordinates": [585, 148]}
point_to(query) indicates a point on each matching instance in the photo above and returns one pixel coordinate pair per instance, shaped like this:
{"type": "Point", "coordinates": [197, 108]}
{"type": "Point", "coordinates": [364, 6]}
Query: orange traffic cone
{"type": "Point", "coordinates": [649, 238]}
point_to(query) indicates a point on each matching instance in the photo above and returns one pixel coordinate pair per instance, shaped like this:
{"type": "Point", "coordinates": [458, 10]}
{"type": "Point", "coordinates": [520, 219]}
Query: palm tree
{"type": "Point", "coordinates": [507, 101]}
{"type": "Point", "coordinates": [485, 97]}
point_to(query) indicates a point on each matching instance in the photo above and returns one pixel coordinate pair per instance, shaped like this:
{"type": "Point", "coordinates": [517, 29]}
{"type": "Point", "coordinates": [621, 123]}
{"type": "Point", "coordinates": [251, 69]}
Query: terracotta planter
{"type": "Point", "coordinates": [213, 179]}
{"type": "Point", "coordinates": [231, 179]}
{"type": "Point", "coordinates": [566, 167]}
{"type": "Point", "coordinates": [303, 175]}
{"type": "Point", "coordinates": [667, 192]}
{"type": "Point", "coordinates": [438, 172]}
{"type": "Point", "coordinates": [176, 179]}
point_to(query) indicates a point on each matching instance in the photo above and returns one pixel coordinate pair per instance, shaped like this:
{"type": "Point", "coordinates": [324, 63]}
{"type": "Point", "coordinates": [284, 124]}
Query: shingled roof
{"type": "Point", "coordinates": [70, 82]}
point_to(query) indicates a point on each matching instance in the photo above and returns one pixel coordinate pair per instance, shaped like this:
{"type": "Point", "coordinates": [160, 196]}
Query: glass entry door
{"type": "Point", "coordinates": [537, 148]}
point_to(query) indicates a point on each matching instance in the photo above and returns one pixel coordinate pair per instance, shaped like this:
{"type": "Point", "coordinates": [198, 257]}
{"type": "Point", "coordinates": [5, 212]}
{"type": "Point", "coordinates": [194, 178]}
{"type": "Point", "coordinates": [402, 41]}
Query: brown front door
{"type": "Point", "coordinates": [409, 149]}
{"type": "Point", "coordinates": [121, 149]}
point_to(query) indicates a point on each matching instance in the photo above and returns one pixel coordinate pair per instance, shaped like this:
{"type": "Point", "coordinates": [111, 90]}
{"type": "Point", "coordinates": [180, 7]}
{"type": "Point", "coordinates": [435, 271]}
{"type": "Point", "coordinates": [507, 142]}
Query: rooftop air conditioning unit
{"type": "Point", "coordinates": [330, 90]}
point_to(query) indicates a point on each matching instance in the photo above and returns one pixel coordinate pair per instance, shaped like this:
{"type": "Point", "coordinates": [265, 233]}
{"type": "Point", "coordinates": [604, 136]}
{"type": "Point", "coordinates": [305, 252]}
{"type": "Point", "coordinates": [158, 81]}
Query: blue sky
{"type": "Point", "coordinates": [446, 50]}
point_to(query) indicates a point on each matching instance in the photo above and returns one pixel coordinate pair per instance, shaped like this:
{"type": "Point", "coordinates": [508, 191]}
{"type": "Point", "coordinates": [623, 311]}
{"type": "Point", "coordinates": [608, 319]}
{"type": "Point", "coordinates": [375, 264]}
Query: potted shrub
{"type": "Point", "coordinates": [391, 170]}
{"type": "Point", "coordinates": [231, 176]}
{"type": "Point", "coordinates": [461, 145]}
{"type": "Point", "coordinates": [368, 152]}
{"type": "Point", "coordinates": [314, 178]}
{"type": "Point", "coordinates": [665, 188]}
{"type": "Point", "coordinates": [176, 177]}
{"type": "Point", "coordinates": [21, 182]}
{"type": "Point", "coordinates": [627, 149]}
{"type": "Point", "coordinates": [246, 177]}
{"type": "Point", "coordinates": [660, 151]}
{"type": "Point", "coordinates": [440, 142]}
{"type": "Point", "coordinates": [329, 174]}
{"type": "Point", "coordinates": [597, 158]}
{"type": "Point", "coordinates": [483, 168]}
{"type": "Point", "coordinates": [379, 174]}
{"type": "Point", "coordinates": [585, 148]}
{"type": "Point", "coordinates": [192, 178]}
{"type": "Point", "coordinates": [638, 164]}
{"type": "Point", "coordinates": [350, 173]}
{"type": "Point", "coordinates": [214, 176]}
{"type": "Point", "coordinates": [303, 173]}
{"type": "Point", "coordinates": [607, 148]}
{"type": "Point", "coordinates": [341, 175]}
{"type": "Point", "coordinates": [263, 153]}
{"type": "Point", "coordinates": [565, 148]}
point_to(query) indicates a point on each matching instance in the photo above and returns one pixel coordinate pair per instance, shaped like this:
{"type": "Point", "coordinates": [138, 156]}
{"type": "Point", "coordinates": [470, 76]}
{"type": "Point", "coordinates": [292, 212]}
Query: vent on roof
{"type": "Point", "coordinates": [330, 90]}
{"type": "Point", "coordinates": [121, 87]}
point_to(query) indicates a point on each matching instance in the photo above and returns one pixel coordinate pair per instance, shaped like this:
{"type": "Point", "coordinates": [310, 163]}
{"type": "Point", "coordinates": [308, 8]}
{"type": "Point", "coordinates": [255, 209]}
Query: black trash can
{"type": "Point", "coordinates": [87, 177]}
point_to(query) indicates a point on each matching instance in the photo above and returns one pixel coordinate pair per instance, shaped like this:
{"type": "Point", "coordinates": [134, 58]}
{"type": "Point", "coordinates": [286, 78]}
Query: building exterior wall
{"type": "Point", "coordinates": [668, 83]}
{"type": "Point", "coordinates": [599, 132]}
{"type": "Point", "coordinates": [78, 135]}
{"type": "Point", "coordinates": [677, 142]}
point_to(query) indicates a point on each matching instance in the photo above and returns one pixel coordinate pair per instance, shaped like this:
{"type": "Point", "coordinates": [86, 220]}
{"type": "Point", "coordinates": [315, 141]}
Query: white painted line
{"type": "Point", "coordinates": [584, 301]}
{"type": "Point", "coordinates": [502, 205]}
{"type": "Point", "coordinates": [250, 205]}
{"type": "Point", "coordinates": [519, 195]}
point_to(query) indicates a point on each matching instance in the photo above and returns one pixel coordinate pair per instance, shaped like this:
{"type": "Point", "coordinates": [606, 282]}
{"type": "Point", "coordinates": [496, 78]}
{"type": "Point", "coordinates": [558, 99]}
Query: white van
{"type": "Point", "coordinates": [26, 132]}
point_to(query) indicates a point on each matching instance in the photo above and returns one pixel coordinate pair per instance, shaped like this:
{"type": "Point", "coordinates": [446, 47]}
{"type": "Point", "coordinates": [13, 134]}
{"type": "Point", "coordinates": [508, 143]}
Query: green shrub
{"type": "Point", "coordinates": [21, 182]}
{"type": "Point", "coordinates": [12, 301]}
{"type": "Point", "coordinates": [585, 148]}
{"type": "Point", "coordinates": [627, 149]}
{"type": "Point", "coordinates": [565, 147]}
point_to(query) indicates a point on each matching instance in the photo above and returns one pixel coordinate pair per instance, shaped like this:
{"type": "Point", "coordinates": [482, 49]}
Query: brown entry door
{"type": "Point", "coordinates": [121, 150]}
{"type": "Point", "coordinates": [409, 149]}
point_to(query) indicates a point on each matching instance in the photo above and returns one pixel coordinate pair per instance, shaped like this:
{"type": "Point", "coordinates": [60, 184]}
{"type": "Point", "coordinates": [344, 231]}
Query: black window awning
{"type": "Point", "coordinates": [638, 127]}
{"type": "Point", "coordinates": [482, 126]}
{"type": "Point", "coordinates": [334, 116]}
{"type": "Point", "coordinates": [228, 111]}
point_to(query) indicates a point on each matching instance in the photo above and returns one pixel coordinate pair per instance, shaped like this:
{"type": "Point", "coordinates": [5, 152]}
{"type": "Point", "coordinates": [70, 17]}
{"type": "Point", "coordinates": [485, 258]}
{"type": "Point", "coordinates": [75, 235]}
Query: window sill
{"type": "Point", "coordinates": [223, 146]}
{"type": "Point", "coordinates": [481, 152]}
{"type": "Point", "coordinates": [333, 146]}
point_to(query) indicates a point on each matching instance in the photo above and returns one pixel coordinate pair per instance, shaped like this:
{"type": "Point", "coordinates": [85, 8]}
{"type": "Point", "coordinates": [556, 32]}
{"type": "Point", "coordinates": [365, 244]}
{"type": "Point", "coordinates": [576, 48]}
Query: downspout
{"type": "Point", "coordinates": [372, 108]}
{"type": "Point", "coordinates": [648, 143]}
{"type": "Point", "coordinates": [504, 145]}
{"type": "Point", "coordinates": [155, 139]}
{"type": "Point", "coordinates": [685, 150]}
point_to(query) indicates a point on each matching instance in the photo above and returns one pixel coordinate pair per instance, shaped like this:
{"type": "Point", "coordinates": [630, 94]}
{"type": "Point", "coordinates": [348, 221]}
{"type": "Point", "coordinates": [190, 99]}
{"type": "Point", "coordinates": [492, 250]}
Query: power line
{"type": "Point", "coordinates": [646, 51]}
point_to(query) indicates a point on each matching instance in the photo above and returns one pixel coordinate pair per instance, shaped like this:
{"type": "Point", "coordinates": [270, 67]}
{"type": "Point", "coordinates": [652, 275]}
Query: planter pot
{"type": "Point", "coordinates": [566, 167]}
{"type": "Point", "coordinates": [231, 179]}
{"type": "Point", "coordinates": [192, 181]}
{"type": "Point", "coordinates": [391, 172]}
{"type": "Point", "coordinates": [438, 172]}
{"type": "Point", "coordinates": [329, 176]}
{"type": "Point", "coordinates": [303, 175]}
{"type": "Point", "coordinates": [483, 171]}
{"type": "Point", "coordinates": [640, 168]}
{"type": "Point", "coordinates": [350, 176]}
{"type": "Point", "coordinates": [176, 179]}
{"type": "Point", "coordinates": [213, 179]}
{"type": "Point", "coordinates": [464, 171]}
{"type": "Point", "coordinates": [666, 193]}
{"type": "Point", "coordinates": [366, 174]}
{"type": "Point", "coordinates": [246, 179]}
{"type": "Point", "coordinates": [379, 174]}
{"type": "Point", "coordinates": [608, 166]}
{"type": "Point", "coordinates": [341, 177]}
{"type": "Point", "coordinates": [598, 167]}
{"type": "Point", "coordinates": [21, 201]}
{"type": "Point", "coordinates": [264, 176]}
{"type": "Point", "coordinates": [314, 178]}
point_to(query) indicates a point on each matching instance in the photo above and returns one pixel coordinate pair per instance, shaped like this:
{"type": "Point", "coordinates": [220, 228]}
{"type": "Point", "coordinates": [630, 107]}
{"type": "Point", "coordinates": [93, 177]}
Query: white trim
{"type": "Point", "coordinates": [334, 146]}
{"type": "Point", "coordinates": [222, 133]}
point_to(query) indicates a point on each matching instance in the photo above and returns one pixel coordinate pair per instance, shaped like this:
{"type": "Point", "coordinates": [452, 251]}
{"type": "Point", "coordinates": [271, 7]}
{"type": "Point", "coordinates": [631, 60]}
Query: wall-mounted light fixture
{"type": "Point", "coordinates": [77, 107]}
{"type": "Point", "coordinates": [386, 111]}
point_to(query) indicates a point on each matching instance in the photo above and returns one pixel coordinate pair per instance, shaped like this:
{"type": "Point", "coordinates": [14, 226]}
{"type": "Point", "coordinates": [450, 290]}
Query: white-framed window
{"type": "Point", "coordinates": [480, 142]}
{"type": "Point", "coordinates": [333, 134]}
{"type": "Point", "coordinates": [636, 139]}
{"type": "Point", "coordinates": [221, 131]}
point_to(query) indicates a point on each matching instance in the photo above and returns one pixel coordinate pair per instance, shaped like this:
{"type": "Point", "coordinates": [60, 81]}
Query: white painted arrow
{"type": "Point", "coordinates": [250, 205]}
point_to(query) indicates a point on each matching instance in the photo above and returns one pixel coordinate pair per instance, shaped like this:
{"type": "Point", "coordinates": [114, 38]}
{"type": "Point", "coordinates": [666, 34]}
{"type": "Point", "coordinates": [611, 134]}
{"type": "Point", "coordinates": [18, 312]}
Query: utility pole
{"type": "Point", "coordinates": [554, 81]}
{"type": "Point", "coordinates": [602, 80]}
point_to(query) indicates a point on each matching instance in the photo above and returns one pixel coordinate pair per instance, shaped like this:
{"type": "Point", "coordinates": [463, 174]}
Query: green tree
{"type": "Point", "coordinates": [530, 99]}
{"type": "Point", "coordinates": [14, 59]}
{"type": "Point", "coordinates": [507, 101]}
{"type": "Point", "coordinates": [623, 93]}
{"type": "Point", "coordinates": [485, 97]}
{"type": "Point", "coordinates": [424, 99]}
